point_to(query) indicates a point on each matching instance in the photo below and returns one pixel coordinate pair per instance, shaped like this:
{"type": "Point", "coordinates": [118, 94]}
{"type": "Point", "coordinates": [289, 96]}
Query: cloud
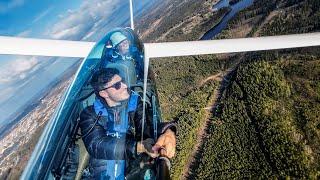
{"type": "Point", "coordinates": [90, 20]}
{"type": "Point", "coordinates": [15, 74]}
{"type": "Point", "coordinates": [5, 93]}
{"type": "Point", "coordinates": [7, 6]}
{"type": "Point", "coordinates": [18, 69]}
{"type": "Point", "coordinates": [83, 23]}
{"type": "Point", "coordinates": [73, 27]}
{"type": "Point", "coordinates": [42, 14]}
{"type": "Point", "coordinates": [25, 33]}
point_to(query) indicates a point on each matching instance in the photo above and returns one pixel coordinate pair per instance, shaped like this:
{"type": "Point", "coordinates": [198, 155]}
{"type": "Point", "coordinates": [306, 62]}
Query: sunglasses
{"type": "Point", "coordinates": [116, 85]}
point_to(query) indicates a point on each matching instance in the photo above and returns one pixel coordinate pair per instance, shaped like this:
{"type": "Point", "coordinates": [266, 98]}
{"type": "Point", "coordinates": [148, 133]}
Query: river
{"type": "Point", "coordinates": [223, 23]}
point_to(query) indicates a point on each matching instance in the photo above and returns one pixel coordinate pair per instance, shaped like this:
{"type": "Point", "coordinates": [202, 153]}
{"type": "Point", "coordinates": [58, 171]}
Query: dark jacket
{"type": "Point", "coordinates": [103, 142]}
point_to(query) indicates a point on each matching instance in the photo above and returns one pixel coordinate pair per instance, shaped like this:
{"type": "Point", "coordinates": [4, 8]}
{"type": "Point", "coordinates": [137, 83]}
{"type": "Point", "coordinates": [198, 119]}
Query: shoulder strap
{"type": "Point", "coordinates": [133, 102]}
{"type": "Point", "coordinates": [132, 108]}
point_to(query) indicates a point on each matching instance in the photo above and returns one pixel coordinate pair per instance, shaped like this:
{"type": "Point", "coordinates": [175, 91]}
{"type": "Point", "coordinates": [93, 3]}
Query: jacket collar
{"type": "Point", "coordinates": [100, 105]}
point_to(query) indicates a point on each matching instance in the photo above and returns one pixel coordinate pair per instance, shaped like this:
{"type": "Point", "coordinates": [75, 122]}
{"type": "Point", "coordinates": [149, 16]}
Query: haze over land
{"type": "Point", "coordinates": [18, 144]}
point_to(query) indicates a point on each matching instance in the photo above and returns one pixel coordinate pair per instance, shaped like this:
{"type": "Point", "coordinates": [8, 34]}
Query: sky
{"type": "Point", "coordinates": [23, 77]}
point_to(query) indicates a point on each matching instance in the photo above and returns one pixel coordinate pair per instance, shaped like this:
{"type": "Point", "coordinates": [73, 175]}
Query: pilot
{"type": "Point", "coordinates": [112, 127]}
{"type": "Point", "coordinates": [124, 50]}
{"type": "Point", "coordinates": [121, 43]}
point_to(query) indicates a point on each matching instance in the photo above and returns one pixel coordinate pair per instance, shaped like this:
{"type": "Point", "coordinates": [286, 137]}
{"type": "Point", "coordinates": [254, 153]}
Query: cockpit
{"type": "Point", "coordinates": [121, 51]}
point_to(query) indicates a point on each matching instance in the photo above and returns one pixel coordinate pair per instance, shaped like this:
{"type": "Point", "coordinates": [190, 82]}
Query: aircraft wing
{"type": "Point", "coordinates": [231, 45]}
{"type": "Point", "coordinates": [44, 47]}
{"type": "Point", "coordinates": [63, 48]}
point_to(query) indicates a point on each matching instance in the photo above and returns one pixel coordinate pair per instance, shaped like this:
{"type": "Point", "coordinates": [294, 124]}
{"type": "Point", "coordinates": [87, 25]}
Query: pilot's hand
{"type": "Point", "coordinates": [166, 144]}
{"type": "Point", "coordinates": [146, 147]}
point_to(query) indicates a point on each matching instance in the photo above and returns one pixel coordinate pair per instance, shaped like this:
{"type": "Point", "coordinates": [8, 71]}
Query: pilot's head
{"type": "Point", "coordinates": [109, 85]}
{"type": "Point", "coordinates": [120, 42]}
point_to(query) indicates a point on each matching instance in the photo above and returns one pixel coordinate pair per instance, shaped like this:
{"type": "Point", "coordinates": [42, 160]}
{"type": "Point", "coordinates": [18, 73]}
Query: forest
{"type": "Point", "coordinates": [265, 127]}
{"type": "Point", "coordinates": [183, 98]}
{"type": "Point", "coordinates": [266, 123]}
{"type": "Point", "coordinates": [179, 21]}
